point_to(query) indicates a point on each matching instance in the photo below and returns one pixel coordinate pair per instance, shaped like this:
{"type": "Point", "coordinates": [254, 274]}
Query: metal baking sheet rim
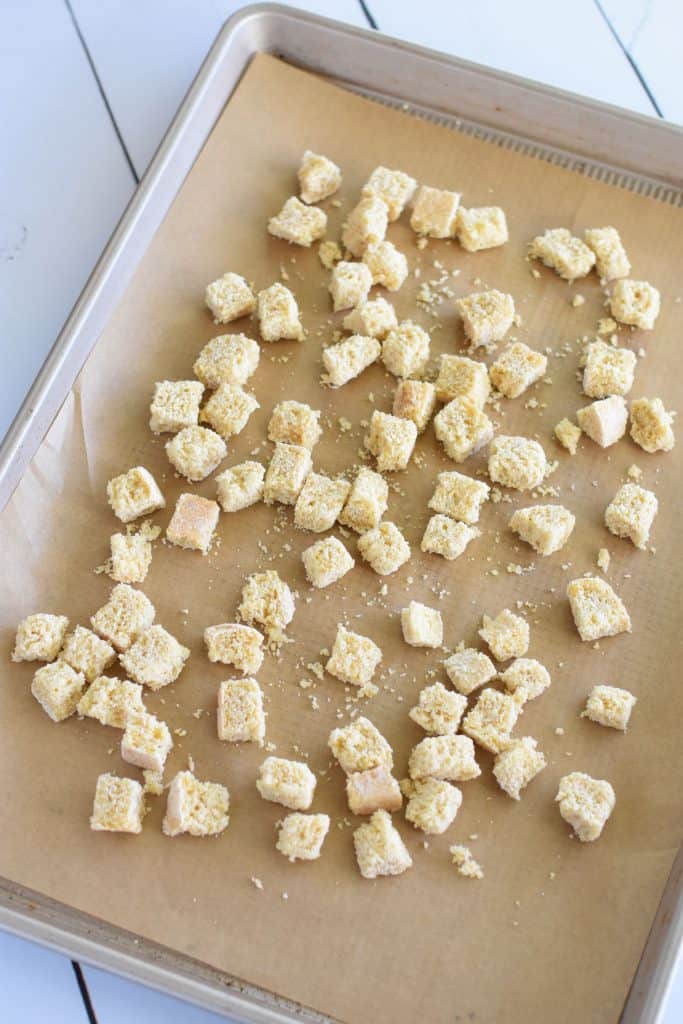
{"type": "Point", "coordinates": [635, 151]}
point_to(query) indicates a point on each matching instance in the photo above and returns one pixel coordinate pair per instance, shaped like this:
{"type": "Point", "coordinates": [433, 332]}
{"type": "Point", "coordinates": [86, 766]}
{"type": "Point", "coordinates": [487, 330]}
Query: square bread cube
{"type": "Point", "coordinates": [349, 285]}
{"type": "Point", "coordinates": [422, 626]}
{"type": "Point", "coordinates": [130, 558]}
{"type": "Point", "coordinates": [359, 746]}
{"type": "Point", "coordinates": [546, 528]}
{"type": "Point", "coordinates": [365, 225]}
{"type": "Point", "coordinates": [318, 177]}
{"type": "Point", "coordinates": [631, 513]}
{"type": "Point", "coordinates": [568, 434]}
{"type": "Point", "coordinates": [232, 643]}
{"type": "Point", "coordinates": [230, 298]}
{"type": "Point", "coordinates": [469, 669]}
{"type": "Point", "coordinates": [110, 701]}
{"type": "Point", "coordinates": [415, 400]}
{"type": "Point", "coordinates": [266, 601]}
{"type": "Point", "coordinates": [492, 719]}
{"type": "Point", "coordinates": [517, 765]}
{"type": "Point", "coordinates": [278, 314]}
{"type": "Point", "coordinates": [295, 423]}
{"type": "Point", "coordinates": [58, 689]}
{"type": "Point", "coordinates": [444, 757]}
{"type": "Point", "coordinates": [385, 549]}
{"type": "Point", "coordinates": [432, 804]}
{"type": "Point", "coordinates": [326, 562]}
{"type": "Point", "coordinates": [462, 428]}
{"type": "Point", "coordinates": [373, 318]}
{"type": "Point", "coordinates": [527, 674]}
{"type": "Point", "coordinates": [483, 227]}
{"type": "Point", "coordinates": [241, 718]}
{"type": "Point", "coordinates": [611, 260]}
{"type": "Point", "coordinates": [394, 188]}
{"type": "Point", "coordinates": [156, 659]}
{"type": "Point", "coordinates": [125, 616]}
{"type": "Point", "coordinates": [459, 496]}
{"type": "Point", "coordinates": [348, 358]}
{"type": "Point", "coordinates": [193, 523]}
{"type": "Point", "coordinates": [388, 266]}
{"type": "Point", "coordinates": [228, 410]}
{"type": "Point", "coordinates": [134, 494]}
{"type": "Point", "coordinates": [604, 421]}
{"type": "Point", "coordinates": [465, 863]}
{"type": "Point", "coordinates": [367, 501]}
{"type": "Point", "coordinates": [146, 741]}
{"type": "Point", "coordinates": [405, 350]}
{"type": "Point", "coordinates": [86, 653]}
{"type": "Point", "coordinates": [585, 804]}
{"type": "Point", "coordinates": [461, 377]}
{"type": "Point", "coordinates": [608, 370]}
{"type": "Point", "coordinates": [301, 836]}
{"type": "Point", "coordinates": [373, 790]}
{"type": "Point", "coordinates": [391, 440]}
{"type": "Point", "coordinates": [635, 303]}
{"type": "Point", "coordinates": [609, 706]}
{"type": "Point", "coordinates": [446, 537]}
{"type": "Point", "coordinates": [379, 848]}
{"type": "Point", "coordinates": [227, 359]}
{"type": "Point", "coordinates": [486, 316]}
{"type": "Point", "coordinates": [119, 805]}
{"type": "Point", "coordinates": [290, 783]}
{"type": "Point", "coordinates": [200, 808]}
{"type": "Point", "coordinates": [438, 710]}
{"type": "Point", "coordinates": [597, 610]}
{"type": "Point", "coordinates": [517, 462]}
{"type": "Point", "coordinates": [240, 486]}
{"type": "Point", "coordinates": [287, 470]}
{"type": "Point", "coordinates": [175, 404]}
{"type": "Point", "coordinates": [195, 452]}
{"type": "Point", "coordinates": [354, 658]}
{"type": "Point", "coordinates": [516, 369]}
{"type": "Point", "coordinates": [507, 636]}
{"type": "Point", "coordinates": [563, 252]}
{"type": "Point", "coordinates": [298, 223]}
{"type": "Point", "coordinates": [320, 502]}
{"type": "Point", "coordinates": [434, 212]}
{"type": "Point", "coordinates": [40, 637]}
{"type": "Point", "coordinates": [651, 425]}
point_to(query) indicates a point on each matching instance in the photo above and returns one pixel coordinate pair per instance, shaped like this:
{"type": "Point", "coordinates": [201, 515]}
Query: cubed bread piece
{"type": "Point", "coordinates": [326, 562]}
{"type": "Point", "coordinates": [422, 626]}
{"type": "Point", "coordinates": [267, 601]}
{"type": "Point", "coordinates": [636, 303]}
{"type": "Point", "coordinates": [391, 440]}
{"type": "Point", "coordinates": [651, 425]}
{"type": "Point", "coordinates": [379, 848]}
{"type": "Point", "coordinates": [483, 227]}
{"type": "Point", "coordinates": [373, 790]}
{"type": "Point", "coordinates": [367, 501]}
{"type": "Point", "coordinates": [365, 225]}
{"type": "Point", "coordinates": [610, 706]}
{"type": "Point", "coordinates": [329, 253]}
{"type": "Point", "coordinates": [354, 658]}
{"type": "Point", "coordinates": [232, 643]}
{"type": "Point", "coordinates": [227, 359]}
{"type": "Point", "coordinates": [290, 783]}
{"type": "Point", "coordinates": [40, 637]}
{"type": "Point", "coordinates": [415, 400]}
{"type": "Point", "coordinates": [547, 528]}
{"type": "Point", "coordinates": [608, 370]}
{"type": "Point", "coordinates": [388, 266]}
{"type": "Point", "coordinates": [156, 659]}
{"type": "Point", "coordinates": [385, 549]}
{"type": "Point", "coordinates": [240, 486]}
{"type": "Point", "coordinates": [563, 252]}
{"type": "Point", "coordinates": [568, 434]}
{"type": "Point", "coordinates": [320, 502]}
{"type": "Point", "coordinates": [125, 616]}
{"type": "Point", "coordinates": [241, 718]}
{"type": "Point", "coordinates": [604, 421]}
{"type": "Point", "coordinates": [516, 369]}
{"type": "Point", "coordinates": [348, 358]}
{"type": "Point", "coordinates": [444, 757]}
{"type": "Point", "coordinates": [394, 188]}
{"type": "Point", "coordinates": [146, 741]}
{"type": "Point", "coordinates": [195, 452]}
{"type": "Point", "coordinates": [465, 863]}
{"type": "Point", "coordinates": [110, 701]}
{"type": "Point", "coordinates": [230, 298]}
{"type": "Point", "coordinates": [349, 285]}
{"type": "Point", "coordinates": [486, 316]}
{"type": "Point", "coordinates": [527, 674]}
{"type": "Point", "coordinates": [597, 610]}
{"type": "Point", "coordinates": [359, 746]}
{"type": "Point", "coordinates": [469, 669]}
{"type": "Point", "coordinates": [462, 428]}
{"type": "Point", "coordinates": [373, 318]}
{"type": "Point", "coordinates": [405, 350]}
{"type": "Point", "coordinates": [434, 212]}
{"type": "Point", "coordinates": [87, 653]}
{"type": "Point", "coordinates": [175, 405]}
{"type": "Point", "coordinates": [492, 719]}
{"type": "Point", "coordinates": [459, 496]}
{"type": "Point", "coordinates": [432, 804]}
{"type": "Point", "coordinates": [58, 689]}
{"type": "Point", "coordinates": [631, 513]}
{"type": "Point", "coordinates": [134, 494]}
{"type": "Point", "coordinates": [228, 410]}
{"type": "Point", "coordinates": [193, 522]}
{"type": "Point", "coordinates": [611, 260]}
{"type": "Point", "coordinates": [507, 636]}
{"type": "Point", "coordinates": [461, 377]}
{"type": "Point", "coordinates": [295, 423]}
{"type": "Point", "coordinates": [517, 765]}
{"type": "Point", "coordinates": [130, 558]}
{"type": "Point", "coordinates": [446, 537]}
{"type": "Point", "coordinates": [287, 470]}
{"type": "Point", "coordinates": [301, 836]}
{"type": "Point", "coordinates": [200, 808]}
{"type": "Point", "coordinates": [438, 710]}
{"type": "Point", "coordinates": [585, 804]}
{"type": "Point", "coordinates": [298, 223]}
{"type": "Point", "coordinates": [119, 805]}
{"type": "Point", "coordinates": [318, 177]}
{"type": "Point", "coordinates": [517, 462]}
{"type": "Point", "coordinates": [278, 314]}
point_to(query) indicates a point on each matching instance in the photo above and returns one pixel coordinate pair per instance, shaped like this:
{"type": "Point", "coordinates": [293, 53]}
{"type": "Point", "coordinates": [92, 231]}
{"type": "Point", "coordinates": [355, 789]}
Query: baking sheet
{"type": "Point", "coordinates": [428, 944]}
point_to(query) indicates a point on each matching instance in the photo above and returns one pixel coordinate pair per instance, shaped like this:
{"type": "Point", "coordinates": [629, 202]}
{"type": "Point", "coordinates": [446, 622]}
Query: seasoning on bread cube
{"type": "Point", "coordinates": [516, 369]}
{"type": "Point", "coordinates": [546, 528]}
{"type": "Point", "coordinates": [130, 558]}
{"type": "Point", "coordinates": [609, 706]}
{"type": "Point", "coordinates": [290, 783]}
{"type": "Point", "coordinates": [198, 808]}
{"type": "Point", "coordinates": [287, 470]}
{"type": "Point", "coordinates": [652, 425]}
{"type": "Point", "coordinates": [385, 549]}
{"type": "Point", "coordinates": [517, 462]}
{"type": "Point", "coordinates": [516, 765]}
{"type": "Point", "coordinates": [483, 227]}
{"type": "Point", "coordinates": [119, 805]}
{"type": "Point", "coordinates": [193, 523]}
{"type": "Point", "coordinates": [347, 359]}
{"type": "Point", "coordinates": [365, 225]}
{"type": "Point", "coordinates": [298, 223]}
{"type": "Point", "coordinates": [232, 643]}
{"type": "Point", "coordinates": [438, 710]}
{"type": "Point", "coordinates": [415, 400]}
{"type": "Point", "coordinates": [146, 741]}
{"type": "Point", "coordinates": [563, 252]}
{"type": "Point", "coordinates": [388, 266]}
{"type": "Point", "coordinates": [359, 746]}
{"type": "Point", "coordinates": [608, 370]}
{"type": "Point", "coordinates": [458, 496]}
{"type": "Point", "coordinates": [278, 314]}
{"type": "Point", "coordinates": [380, 851]}
{"type": "Point", "coordinates": [432, 804]}
{"type": "Point", "coordinates": [87, 653]}
{"type": "Point", "coordinates": [156, 659]}
{"type": "Point", "coordinates": [507, 635]}
{"type": "Point", "coordinates": [492, 719]}
{"type": "Point", "coordinates": [469, 669]}
{"type": "Point", "coordinates": [354, 658]}
{"type": "Point", "coordinates": [301, 836]}
{"type": "Point", "coordinates": [585, 804]}
{"type": "Point", "coordinates": [228, 410]}
{"type": "Point", "coordinates": [405, 350]}
{"type": "Point", "coordinates": [461, 377]}
{"type": "Point", "coordinates": [604, 421]}
{"type": "Point", "coordinates": [611, 260]}
{"type": "Point", "coordinates": [58, 688]}
{"type": "Point", "coordinates": [175, 404]}
{"type": "Point", "coordinates": [526, 674]}
{"type": "Point", "coordinates": [125, 616]}
{"type": "Point", "coordinates": [444, 757]}
{"type": "Point", "coordinates": [40, 637]}
{"type": "Point", "coordinates": [462, 428]}
{"type": "Point", "coordinates": [240, 486]}
{"type": "Point", "coordinates": [267, 601]}
{"type": "Point", "coordinates": [434, 212]}
{"type": "Point", "coordinates": [445, 537]}
{"type": "Point", "coordinates": [295, 423]}
{"type": "Point", "coordinates": [568, 434]}
{"type": "Point", "coordinates": [486, 316]}
{"type": "Point", "coordinates": [318, 177]}
{"type": "Point", "coordinates": [391, 440]}
{"type": "Point", "coordinates": [134, 494]}
{"type": "Point", "coordinates": [394, 188]}
{"type": "Point", "coordinates": [241, 718]}
{"type": "Point", "coordinates": [326, 562]}
{"type": "Point", "coordinates": [422, 626]}
{"type": "Point", "coordinates": [631, 513]}
{"type": "Point", "coordinates": [349, 285]}
{"type": "Point", "coordinates": [230, 298]}
{"type": "Point", "coordinates": [367, 501]}
{"type": "Point", "coordinates": [195, 452]}
{"type": "Point", "coordinates": [372, 318]}
{"type": "Point", "coordinates": [320, 502]}
{"type": "Point", "coordinates": [110, 701]}
{"type": "Point", "coordinates": [227, 359]}
{"type": "Point", "coordinates": [635, 303]}
{"type": "Point", "coordinates": [597, 610]}
{"type": "Point", "coordinates": [373, 790]}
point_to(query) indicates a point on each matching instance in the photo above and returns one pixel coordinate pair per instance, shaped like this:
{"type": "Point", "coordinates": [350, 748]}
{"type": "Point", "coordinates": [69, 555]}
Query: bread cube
{"type": "Point", "coordinates": [651, 425]}
{"type": "Point", "coordinates": [517, 765]}
{"type": "Point", "coordinates": [438, 710]}
{"type": "Point", "coordinates": [405, 350]}
{"type": "Point", "coordinates": [290, 783]}
{"type": "Point", "coordinates": [507, 636]}
{"type": "Point", "coordinates": [200, 808]}
{"type": "Point", "coordinates": [469, 669]}
{"type": "Point", "coordinates": [604, 421]}
{"type": "Point", "coordinates": [585, 804]}
{"type": "Point", "coordinates": [195, 452]}
{"type": "Point", "coordinates": [58, 689]}
{"type": "Point", "coordinates": [232, 643]}
{"type": "Point", "coordinates": [240, 486]}
{"type": "Point", "coordinates": [367, 501]}
{"type": "Point", "coordinates": [318, 177]}
{"type": "Point", "coordinates": [547, 528]}
{"type": "Point", "coordinates": [228, 410]}
{"type": "Point", "coordinates": [492, 719]}
{"type": "Point", "coordinates": [298, 224]}
{"type": "Point", "coordinates": [460, 377]}
{"type": "Point", "coordinates": [563, 252]}
{"type": "Point", "coordinates": [301, 836]}
{"type": "Point", "coordinates": [379, 848]}
{"type": "Point", "coordinates": [320, 502]}
{"type": "Point", "coordinates": [391, 440]}
{"type": "Point", "coordinates": [483, 227]}
{"type": "Point", "coordinates": [134, 494]}
{"type": "Point", "coordinates": [516, 369]}
{"type": "Point", "coordinates": [110, 701]}
{"type": "Point", "coordinates": [193, 523]}
{"type": "Point", "coordinates": [526, 674]}
{"type": "Point", "coordinates": [326, 562]}
{"type": "Point", "coordinates": [388, 266]}
{"type": "Point", "coordinates": [227, 359]}
{"type": "Point", "coordinates": [146, 741]}
{"type": "Point", "coordinates": [517, 462]}
{"type": "Point", "coordinates": [175, 405]}
{"type": "Point", "coordinates": [349, 358]}
{"type": "Point", "coordinates": [278, 314]}
{"type": "Point", "coordinates": [156, 659]}
{"type": "Point", "coordinates": [608, 370]}
{"type": "Point", "coordinates": [287, 470]}
{"type": "Point", "coordinates": [609, 706]}
{"type": "Point", "coordinates": [459, 496]}
{"type": "Point", "coordinates": [462, 428]}
{"type": "Point", "coordinates": [394, 188]}
{"type": "Point", "coordinates": [86, 653]}
{"type": "Point", "coordinates": [266, 601]}
{"type": "Point", "coordinates": [349, 285]}
{"type": "Point", "coordinates": [432, 804]}
{"type": "Point", "coordinates": [434, 212]}
{"type": "Point", "coordinates": [446, 537]}
{"type": "Point", "coordinates": [444, 757]}
{"type": "Point", "coordinates": [373, 318]}
{"type": "Point", "coordinates": [365, 225]}
{"type": "Point", "coordinates": [130, 558]}
{"type": "Point", "coordinates": [631, 513]}
{"type": "Point", "coordinates": [359, 746]}
{"type": "Point", "coordinates": [611, 260]}
{"type": "Point", "coordinates": [373, 790]}
{"type": "Point", "coordinates": [295, 423]}
{"type": "Point", "coordinates": [230, 298]}
{"type": "Point", "coordinates": [568, 434]}
{"type": "Point", "coordinates": [385, 549]}
{"type": "Point", "coordinates": [241, 718]}
{"type": "Point", "coordinates": [40, 637]}
{"type": "Point", "coordinates": [486, 316]}
{"type": "Point", "coordinates": [597, 610]}
{"type": "Point", "coordinates": [415, 400]}
{"type": "Point", "coordinates": [125, 617]}
{"type": "Point", "coordinates": [636, 303]}
{"type": "Point", "coordinates": [119, 805]}
{"type": "Point", "coordinates": [465, 863]}
{"type": "Point", "coordinates": [354, 658]}
{"type": "Point", "coordinates": [422, 626]}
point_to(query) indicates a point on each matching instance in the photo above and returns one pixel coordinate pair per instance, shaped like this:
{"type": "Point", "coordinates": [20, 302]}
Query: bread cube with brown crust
{"type": "Point", "coordinates": [193, 523]}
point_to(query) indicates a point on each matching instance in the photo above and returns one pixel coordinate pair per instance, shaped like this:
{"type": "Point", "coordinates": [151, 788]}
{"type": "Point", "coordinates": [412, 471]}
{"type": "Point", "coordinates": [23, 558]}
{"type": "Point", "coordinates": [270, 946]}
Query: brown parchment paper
{"type": "Point", "coordinates": [555, 930]}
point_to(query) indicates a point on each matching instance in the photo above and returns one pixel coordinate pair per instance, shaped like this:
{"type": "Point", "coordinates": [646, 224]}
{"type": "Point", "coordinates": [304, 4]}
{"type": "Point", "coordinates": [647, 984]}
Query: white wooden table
{"type": "Point", "coordinates": [88, 88]}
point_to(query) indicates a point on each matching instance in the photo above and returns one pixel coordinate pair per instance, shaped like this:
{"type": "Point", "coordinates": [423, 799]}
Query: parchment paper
{"type": "Point", "coordinates": [555, 930]}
